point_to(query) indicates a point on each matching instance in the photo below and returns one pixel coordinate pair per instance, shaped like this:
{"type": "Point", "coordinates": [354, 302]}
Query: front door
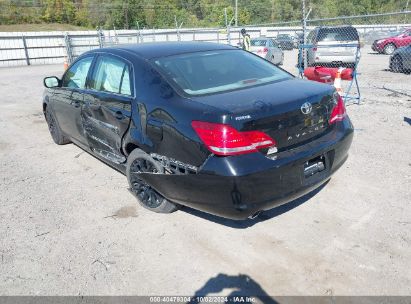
{"type": "Point", "coordinates": [106, 111]}
{"type": "Point", "coordinates": [68, 99]}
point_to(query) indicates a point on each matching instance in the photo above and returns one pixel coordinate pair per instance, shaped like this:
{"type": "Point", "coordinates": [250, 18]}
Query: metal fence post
{"type": "Point", "coordinates": [304, 25]}
{"type": "Point", "coordinates": [100, 36]}
{"type": "Point", "coordinates": [25, 50]}
{"type": "Point", "coordinates": [69, 51]}
{"type": "Point", "coordinates": [115, 36]}
{"type": "Point", "coordinates": [227, 26]}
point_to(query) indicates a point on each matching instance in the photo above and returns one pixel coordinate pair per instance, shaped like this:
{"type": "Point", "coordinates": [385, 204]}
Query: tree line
{"type": "Point", "coordinates": [127, 14]}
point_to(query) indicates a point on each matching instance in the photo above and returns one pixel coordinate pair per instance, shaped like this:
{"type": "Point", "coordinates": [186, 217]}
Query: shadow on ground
{"type": "Point", "coordinates": [264, 216]}
{"type": "Point", "coordinates": [241, 286]}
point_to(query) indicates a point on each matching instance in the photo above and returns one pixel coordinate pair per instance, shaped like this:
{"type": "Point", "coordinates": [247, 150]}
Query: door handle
{"type": "Point", "coordinates": [119, 115]}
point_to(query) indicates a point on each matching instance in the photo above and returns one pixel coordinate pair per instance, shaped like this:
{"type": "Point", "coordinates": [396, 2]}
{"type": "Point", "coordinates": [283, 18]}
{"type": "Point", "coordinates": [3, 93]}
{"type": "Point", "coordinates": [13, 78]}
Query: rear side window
{"type": "Point", "coordinates": [111, 75]}
{"type": "Point", "coordinates": [258, 42]}
{"type": "Point", "coordinates": [218, 71]}
{"type": "Point", "coordinates": [76, 76]}
{"type": "Point", "coordinates": [338, 34]}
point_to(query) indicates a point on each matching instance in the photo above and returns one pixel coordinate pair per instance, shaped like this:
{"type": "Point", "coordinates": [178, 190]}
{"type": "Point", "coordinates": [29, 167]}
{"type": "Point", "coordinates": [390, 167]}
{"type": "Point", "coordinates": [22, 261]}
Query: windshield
{"type": "Point", "coordinates": [218, 71]}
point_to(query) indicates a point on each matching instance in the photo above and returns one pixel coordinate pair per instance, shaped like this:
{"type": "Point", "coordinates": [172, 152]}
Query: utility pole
{"type": "Point", "coordinates": [236, 13]}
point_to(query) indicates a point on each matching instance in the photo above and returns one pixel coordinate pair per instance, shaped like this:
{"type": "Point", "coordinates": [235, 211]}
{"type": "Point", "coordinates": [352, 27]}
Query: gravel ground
{"type": "Point", "coordinates": [70, 227]}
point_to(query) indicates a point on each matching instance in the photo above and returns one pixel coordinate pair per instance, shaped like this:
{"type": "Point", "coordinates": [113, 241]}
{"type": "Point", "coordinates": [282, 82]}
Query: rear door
{"type": "Point", "coordinates": [107, 106]}
{"type": "Point", "coordinates": [276, 52]}
{"type": "Point", "coordinates": [68, 99]}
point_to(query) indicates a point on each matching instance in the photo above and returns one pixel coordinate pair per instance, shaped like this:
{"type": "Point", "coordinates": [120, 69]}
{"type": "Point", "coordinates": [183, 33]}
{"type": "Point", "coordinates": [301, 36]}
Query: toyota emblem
{"type": "Point", "coordinates": [306, 108]}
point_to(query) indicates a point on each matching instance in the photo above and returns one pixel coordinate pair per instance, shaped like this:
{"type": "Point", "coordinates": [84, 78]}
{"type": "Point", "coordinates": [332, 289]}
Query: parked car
{"type": "Point", "coordinates": [285, 41]}
{"type": "Point", "coordinates": [268, 49]}
{"type": "Point", "coordinates": [333, 46]}
{"type": "Point", "coordinates": [389, 45]}
{"type": "Point", "coordinates": [370, 36]}
{"type": "Point", "coordinates": [400, 60]}
{"type": "Point", "coordinates": [203, 125]}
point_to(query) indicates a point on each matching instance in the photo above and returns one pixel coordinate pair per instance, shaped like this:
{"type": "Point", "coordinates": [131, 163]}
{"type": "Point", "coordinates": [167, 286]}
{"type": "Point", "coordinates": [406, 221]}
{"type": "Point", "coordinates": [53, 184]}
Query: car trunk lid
{"type": "Point", "coordinates": [291, 111]}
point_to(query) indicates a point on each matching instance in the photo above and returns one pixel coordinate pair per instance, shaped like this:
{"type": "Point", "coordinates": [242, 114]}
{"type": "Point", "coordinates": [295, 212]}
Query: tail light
{"type": "Point", "coordinates": [264, 50]}
{"type": "Point", "coordinates": [338, 113]}
{"type": "Point", "coordinates": [223, 139]}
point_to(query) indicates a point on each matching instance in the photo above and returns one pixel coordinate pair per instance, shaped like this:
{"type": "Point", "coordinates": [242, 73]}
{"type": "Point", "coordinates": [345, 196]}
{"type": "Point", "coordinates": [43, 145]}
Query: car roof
{"type": "Point", "coordinates": [335, 27]}
{"type": "Point", "coordinates": [163, 49]}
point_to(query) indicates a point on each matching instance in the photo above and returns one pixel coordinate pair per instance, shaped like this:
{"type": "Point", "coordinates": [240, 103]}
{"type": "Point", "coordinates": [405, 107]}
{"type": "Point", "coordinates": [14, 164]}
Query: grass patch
{"type": "Point", "coordinates": [39, 27]}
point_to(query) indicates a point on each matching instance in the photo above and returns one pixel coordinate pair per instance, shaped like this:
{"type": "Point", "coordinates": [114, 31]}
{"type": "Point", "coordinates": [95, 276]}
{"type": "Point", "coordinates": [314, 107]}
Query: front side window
{"type": "Point", "coordinates": [111, 75]}
{"type": "Point", "coordinates": [218, 71]}
{"type": "Point", "coordinates": [76, 76]}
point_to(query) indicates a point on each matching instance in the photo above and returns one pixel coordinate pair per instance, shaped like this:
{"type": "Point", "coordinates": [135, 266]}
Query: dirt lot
{"type": "Point", "coordinates": [70, 227]}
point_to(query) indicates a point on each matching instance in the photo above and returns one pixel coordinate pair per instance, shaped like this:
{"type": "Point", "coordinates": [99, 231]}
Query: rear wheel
{"type": "Point", "coordinates": [54, 128]}
{"type": "Point", "coordinates": [396, 64]}
{"type": "Point", "coordinates": [389, 49]}
{"type": "Point", "coordinates": [138, 162]}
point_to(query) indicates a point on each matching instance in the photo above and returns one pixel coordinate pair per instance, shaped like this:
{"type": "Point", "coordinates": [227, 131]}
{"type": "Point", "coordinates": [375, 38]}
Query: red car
{"type": "Point", "coordinates": [389, 45]}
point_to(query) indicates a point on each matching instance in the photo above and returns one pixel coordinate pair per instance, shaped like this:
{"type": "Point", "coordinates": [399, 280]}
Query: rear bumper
{"type": "Point", "coordinates": [237, 187]}
{"type": "Point", "coordinates": [335, 59]}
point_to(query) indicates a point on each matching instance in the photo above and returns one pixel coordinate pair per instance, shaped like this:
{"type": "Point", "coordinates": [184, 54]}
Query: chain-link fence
{"type": "Point", "coordinates": [301, 47]}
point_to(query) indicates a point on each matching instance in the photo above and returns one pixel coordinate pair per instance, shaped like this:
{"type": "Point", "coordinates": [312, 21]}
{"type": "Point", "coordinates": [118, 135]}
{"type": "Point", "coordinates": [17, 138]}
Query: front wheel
{"type": "Point", "coordinates": [139, 162]}
{"type": "Point", "coordinates": [54, 128]}
{"type": "Point", "coordinates": [389, 49]}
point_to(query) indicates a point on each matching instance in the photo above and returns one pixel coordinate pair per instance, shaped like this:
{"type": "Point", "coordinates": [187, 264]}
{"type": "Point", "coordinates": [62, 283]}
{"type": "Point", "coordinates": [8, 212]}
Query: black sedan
{"type": "Point", "coordinates": [400, 60]}
{"type": "Point", "coordinates": [285, 41]}
{"type": "Point", "coordinates": [200, 124]}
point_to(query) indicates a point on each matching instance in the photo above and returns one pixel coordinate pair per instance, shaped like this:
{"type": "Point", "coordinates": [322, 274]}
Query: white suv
{"type": "Point", "coordinates": [333, 46]}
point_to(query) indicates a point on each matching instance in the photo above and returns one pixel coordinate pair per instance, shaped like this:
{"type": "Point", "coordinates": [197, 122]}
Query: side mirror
{"type": "Point", "coordinates": [51, 82]}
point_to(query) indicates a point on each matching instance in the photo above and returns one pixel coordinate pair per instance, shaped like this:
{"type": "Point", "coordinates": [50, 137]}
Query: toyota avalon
{"type": "Point", "coordinates": [200, 124]}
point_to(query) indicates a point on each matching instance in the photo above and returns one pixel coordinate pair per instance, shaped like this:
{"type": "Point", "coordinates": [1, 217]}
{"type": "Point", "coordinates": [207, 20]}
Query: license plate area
{"type": "Point", "coordinates": [315, 166]}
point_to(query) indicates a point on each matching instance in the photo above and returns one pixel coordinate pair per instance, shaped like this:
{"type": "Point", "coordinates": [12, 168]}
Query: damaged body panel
{"type": "Point", "coordinates": [188, 130]}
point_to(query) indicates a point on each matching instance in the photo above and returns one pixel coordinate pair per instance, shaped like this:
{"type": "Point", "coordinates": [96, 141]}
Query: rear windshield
{"type": "Point", "coordinates": [338, 34]}
{"type": "Point", "coordinates": [284, 36]}
{"type": "Point", "coordinates": [258, 42]}
{"type": "Point", "coordinates": [218, 71]}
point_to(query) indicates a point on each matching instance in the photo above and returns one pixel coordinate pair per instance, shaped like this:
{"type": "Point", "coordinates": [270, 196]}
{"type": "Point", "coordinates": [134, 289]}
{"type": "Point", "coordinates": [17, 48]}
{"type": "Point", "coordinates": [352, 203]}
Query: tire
{"type": "Point", "coordinates": [54, 128]}
{"type": "Point", "coordinates": [139, 161]}
{"type": "Point", "coordinates": [396, 64]}
{"type": "Point", "coordinates": [389, 49]}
